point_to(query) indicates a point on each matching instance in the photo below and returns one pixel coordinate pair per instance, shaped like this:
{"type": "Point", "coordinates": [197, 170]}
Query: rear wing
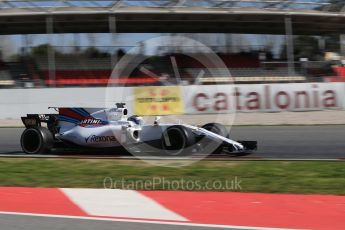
{"type": "Point", "coordinates": [73, 115]}
{"type": "Point", "coordinates": [35, 120]}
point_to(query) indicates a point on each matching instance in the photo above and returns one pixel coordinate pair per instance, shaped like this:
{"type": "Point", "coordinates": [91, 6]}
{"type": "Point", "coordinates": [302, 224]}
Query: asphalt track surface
{"type": "Point", "coordinates": [275, 142]}
{"type": "Point", "coordinates": [19, 222]}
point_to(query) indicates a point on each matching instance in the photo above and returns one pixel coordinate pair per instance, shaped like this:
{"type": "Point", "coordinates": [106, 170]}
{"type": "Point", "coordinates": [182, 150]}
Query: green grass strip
{"type": "Point", "coordinates": [304, 177]}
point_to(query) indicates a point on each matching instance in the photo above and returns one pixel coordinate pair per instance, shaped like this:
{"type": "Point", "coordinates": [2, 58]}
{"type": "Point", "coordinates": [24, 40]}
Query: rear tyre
{"type": "Point", "coordinates": [176, 140]}
{"type": "Point", "coordinates": [37, 140]}
{"type": "Point", "coordinates": [217, 129]}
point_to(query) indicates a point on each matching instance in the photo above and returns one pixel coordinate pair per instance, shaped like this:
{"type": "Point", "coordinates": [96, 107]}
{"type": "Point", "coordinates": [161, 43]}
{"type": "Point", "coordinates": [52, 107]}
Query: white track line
{"type": "Point", "coordinates": [143, 221]}
{"type": "Point", "coordinates": [119, 203]}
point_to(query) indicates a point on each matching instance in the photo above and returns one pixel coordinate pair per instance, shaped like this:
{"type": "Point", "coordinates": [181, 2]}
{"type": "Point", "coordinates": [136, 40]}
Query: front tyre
{"type": "Point", "coordinates": [217, 129]}
{"type": "Point", "coordinates": [216, 148]}
{"type": "Point", "coordinates": [37, 140]}
{"type": "Point", "coordinates": [177, 140]}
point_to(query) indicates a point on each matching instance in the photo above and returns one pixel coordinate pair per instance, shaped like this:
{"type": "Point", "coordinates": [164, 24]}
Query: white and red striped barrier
{"type": "Point", "coordinates": [223, 209]}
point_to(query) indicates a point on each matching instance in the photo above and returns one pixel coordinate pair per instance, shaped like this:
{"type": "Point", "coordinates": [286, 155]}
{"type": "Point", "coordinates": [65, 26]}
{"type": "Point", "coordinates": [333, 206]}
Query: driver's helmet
{"type": "Point", "coordinates": [136, 119]}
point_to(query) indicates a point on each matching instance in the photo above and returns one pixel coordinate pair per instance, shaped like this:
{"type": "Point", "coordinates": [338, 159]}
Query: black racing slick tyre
{"type": "Point", "coordinates": [177, 140]}
{"type": "Point", "coordinates": [38, 140]}
{"type": "Point", "coordinates": [216, 148]}
{"type": "Point", "coordinates": [217, 129]}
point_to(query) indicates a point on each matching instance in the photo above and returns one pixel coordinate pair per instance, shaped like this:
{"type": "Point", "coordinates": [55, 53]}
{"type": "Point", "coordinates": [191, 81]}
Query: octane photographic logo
{"type": "Point", "coordinates": [168, 98]}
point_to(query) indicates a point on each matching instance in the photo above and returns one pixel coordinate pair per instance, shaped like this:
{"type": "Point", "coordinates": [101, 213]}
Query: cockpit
{"type": "Point", "coordinates": [136, 119]}
{"type": "Point", "coordinates": [116, 114]}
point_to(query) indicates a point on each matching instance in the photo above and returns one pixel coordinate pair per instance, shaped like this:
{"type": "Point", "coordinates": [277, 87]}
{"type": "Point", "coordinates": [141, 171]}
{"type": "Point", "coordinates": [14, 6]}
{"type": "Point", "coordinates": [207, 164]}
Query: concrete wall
{"type": "Point", "coordinates": [17, 102]}
{"type": "Point", "coordinates": [197, 99]}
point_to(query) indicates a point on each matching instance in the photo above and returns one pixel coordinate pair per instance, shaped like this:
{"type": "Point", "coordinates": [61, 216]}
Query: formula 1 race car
{"type": "Point", "coordinates": [104, 128]}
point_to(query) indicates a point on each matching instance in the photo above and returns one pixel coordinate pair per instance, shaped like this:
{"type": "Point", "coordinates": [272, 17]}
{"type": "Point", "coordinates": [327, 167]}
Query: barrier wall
{"type": "Point", "coordinates": [185, 99]}
{"type": "Point", "coordinates": [343, 96]}
{"type": "Point", "coordinates": [15, 103]}
{"type": "Point", "coordinates": [264, 97]}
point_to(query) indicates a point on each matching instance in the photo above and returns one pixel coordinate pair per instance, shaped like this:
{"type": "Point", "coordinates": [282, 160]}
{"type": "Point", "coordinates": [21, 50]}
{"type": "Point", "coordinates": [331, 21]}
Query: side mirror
{"type": "Point", "coordinates": [157, 118]}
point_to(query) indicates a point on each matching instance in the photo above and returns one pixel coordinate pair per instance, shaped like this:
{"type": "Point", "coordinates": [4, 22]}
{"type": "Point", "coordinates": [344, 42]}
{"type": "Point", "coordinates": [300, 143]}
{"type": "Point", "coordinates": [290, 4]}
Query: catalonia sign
{"type": "Point", "coordinates": [265, 98]}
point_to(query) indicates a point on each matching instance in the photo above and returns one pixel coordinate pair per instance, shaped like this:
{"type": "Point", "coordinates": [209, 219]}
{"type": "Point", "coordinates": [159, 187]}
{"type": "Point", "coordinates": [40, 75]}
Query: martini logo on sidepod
{"type": "Point", "coordinates": [92, 121]}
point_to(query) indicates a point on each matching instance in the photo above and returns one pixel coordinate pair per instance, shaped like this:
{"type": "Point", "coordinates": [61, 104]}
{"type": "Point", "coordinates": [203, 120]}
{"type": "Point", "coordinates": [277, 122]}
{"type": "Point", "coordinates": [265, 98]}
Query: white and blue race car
{"type": "Point", "coordinates": [109, 128]}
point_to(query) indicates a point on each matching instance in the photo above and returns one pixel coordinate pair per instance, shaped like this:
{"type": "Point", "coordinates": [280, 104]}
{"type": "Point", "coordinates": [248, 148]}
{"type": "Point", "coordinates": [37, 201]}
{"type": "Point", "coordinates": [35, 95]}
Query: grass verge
{"type": "Point", "coordinates": [306, 177]}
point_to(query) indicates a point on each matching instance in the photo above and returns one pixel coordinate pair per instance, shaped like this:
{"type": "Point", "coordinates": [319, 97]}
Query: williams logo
{"type": "Point", "coordinates": [100, 139]}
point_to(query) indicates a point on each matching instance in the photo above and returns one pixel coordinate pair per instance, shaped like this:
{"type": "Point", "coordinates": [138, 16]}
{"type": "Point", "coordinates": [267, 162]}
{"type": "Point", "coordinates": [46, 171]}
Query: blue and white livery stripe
{"type": "Point", "coordinates": [81, 111]}
{"type": "Point", "coordinates": [68, 119]}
